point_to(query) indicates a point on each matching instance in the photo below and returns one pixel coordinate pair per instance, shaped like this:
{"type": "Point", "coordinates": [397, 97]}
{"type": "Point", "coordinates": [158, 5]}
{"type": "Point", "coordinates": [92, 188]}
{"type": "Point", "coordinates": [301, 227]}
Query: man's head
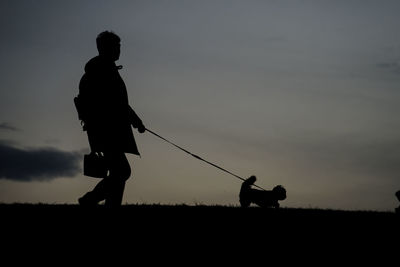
{"type": "Point", "coordinates": [109, 45]}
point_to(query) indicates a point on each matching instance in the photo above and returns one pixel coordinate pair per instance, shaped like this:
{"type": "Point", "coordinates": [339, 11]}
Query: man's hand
{"type": "Point", "coordinates": [141, 128]}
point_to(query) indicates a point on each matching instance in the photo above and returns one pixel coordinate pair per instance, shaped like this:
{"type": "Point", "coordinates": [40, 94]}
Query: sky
{"type": "Point", "coordinates": [304, 94]}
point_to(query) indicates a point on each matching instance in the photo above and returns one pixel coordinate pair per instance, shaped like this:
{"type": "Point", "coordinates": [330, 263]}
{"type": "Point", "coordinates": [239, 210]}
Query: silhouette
{"type": "Point", "coordinates": [104, 109]}
{"type": "Point", "coordinates": [263, 198]}
{"type": "Point", "coordinates": [398, 197]}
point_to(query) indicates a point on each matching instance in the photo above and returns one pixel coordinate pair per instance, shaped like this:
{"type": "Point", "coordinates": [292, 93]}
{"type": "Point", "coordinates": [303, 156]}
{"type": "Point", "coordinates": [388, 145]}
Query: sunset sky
{"type": "Point", "coordinates": [305, 94]}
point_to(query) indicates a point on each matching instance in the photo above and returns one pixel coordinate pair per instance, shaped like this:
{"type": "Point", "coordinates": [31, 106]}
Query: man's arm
{"type": "Point", "coordinates": [136, 121]}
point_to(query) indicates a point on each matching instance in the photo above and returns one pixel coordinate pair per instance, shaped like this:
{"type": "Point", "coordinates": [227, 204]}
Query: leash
{"type": "Point", "coordinates": [199, 158]}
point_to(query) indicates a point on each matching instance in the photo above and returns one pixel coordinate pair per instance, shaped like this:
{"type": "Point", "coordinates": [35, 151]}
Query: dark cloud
{"type": "Point", "coordinates": [375, 157]}
{"type": "Point", "coordinates": [39, 164]}
{"type": "Point", "coordinates": [8, 126]}
{"type": "Point", "coordinates": [346, 153]}
{"type": "Point", "coordinates": [393, 66]}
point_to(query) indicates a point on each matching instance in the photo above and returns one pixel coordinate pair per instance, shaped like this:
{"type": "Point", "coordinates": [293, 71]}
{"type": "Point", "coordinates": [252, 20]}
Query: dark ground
{"type": "Point", "coordinates": [170, 232]}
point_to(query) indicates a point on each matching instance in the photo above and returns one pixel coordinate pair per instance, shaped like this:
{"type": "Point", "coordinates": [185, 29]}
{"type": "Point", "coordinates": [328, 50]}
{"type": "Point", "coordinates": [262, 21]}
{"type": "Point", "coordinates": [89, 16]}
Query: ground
{"type": "Point", "coordinates": [204, 232]}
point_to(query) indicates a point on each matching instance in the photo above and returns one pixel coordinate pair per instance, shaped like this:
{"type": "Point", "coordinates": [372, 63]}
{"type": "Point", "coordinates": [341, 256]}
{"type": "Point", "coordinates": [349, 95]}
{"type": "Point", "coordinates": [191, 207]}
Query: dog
{"type": "Point", "coordinates": [262, 198]}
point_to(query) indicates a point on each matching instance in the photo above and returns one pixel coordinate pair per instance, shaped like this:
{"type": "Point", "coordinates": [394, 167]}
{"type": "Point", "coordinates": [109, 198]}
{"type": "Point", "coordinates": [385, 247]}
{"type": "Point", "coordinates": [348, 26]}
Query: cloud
{"type": "Point", "coordinates": [353, 154]}
{"type": "Point", "coordinates": [393, 66]}
{"type": "Point", "coordinates": [40, 164]}
{"type": "Point", "coordinates": [348, 155]}
{"type": "Point", "coordinates": [8, 126]}
{"type": "Point", "coordinates": [372, 156]}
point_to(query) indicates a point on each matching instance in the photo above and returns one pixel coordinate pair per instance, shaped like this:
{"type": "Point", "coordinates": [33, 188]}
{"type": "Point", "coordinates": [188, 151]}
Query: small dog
{"type": "Point", "coordinates": [262, 198]}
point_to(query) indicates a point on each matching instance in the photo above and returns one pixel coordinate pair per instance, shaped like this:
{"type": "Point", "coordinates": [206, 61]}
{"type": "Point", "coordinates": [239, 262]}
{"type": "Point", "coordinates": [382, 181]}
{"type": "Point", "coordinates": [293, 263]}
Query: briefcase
{"type": "Point", "coordinates": [95, 165]}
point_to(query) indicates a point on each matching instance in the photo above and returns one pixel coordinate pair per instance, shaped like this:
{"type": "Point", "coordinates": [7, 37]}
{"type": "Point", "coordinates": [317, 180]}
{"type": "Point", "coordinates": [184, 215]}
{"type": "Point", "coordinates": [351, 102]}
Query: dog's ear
{"type": "Point", "coordinates": [251, 180]}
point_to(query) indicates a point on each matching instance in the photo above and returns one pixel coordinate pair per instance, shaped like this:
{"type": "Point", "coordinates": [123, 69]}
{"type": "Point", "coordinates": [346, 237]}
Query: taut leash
{"type": "Point", "coordinates": [199, 158]}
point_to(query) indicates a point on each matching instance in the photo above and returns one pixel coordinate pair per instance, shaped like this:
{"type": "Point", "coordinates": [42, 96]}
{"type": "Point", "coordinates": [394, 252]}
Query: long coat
{"type": "Point", "coordinates": [108, 115]}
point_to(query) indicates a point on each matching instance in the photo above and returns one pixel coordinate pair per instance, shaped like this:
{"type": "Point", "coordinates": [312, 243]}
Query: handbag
{"type": "Point", "coordinates": [95, 165]}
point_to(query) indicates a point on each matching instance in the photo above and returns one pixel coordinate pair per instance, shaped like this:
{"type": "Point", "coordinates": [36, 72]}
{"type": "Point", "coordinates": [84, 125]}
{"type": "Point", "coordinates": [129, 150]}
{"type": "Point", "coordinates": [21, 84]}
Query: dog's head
{"type": "Point", "coordinates": [251, 180]}
{"type": "Point", "coordinates": [280, 192]}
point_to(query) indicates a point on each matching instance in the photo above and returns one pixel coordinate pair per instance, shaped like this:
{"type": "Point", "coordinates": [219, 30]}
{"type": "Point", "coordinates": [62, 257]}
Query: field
{"type": "Point", "coordinates": [210, 231]}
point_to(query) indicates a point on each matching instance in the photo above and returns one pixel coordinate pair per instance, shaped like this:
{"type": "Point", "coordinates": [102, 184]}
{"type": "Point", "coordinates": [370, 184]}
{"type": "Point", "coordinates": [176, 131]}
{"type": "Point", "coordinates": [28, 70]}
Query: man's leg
{"type": "Point", "coordinates": [112, 187]}
{"type": "Point", "coordinates": [98, 194]}
{"type": "Point", "coordinates": [120, 171]}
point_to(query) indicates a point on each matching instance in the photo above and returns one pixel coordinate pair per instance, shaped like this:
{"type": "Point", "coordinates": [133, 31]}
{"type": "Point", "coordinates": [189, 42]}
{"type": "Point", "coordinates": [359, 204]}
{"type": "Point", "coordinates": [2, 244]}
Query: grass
{"type": "Point", "coordinates": [198, 230]}
{"type": "Point", "coordinates": [197, 214]}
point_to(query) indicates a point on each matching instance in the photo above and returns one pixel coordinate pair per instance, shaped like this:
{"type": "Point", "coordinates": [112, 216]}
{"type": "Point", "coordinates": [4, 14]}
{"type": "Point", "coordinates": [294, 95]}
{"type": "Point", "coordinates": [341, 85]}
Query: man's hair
{"type": "Point", "coordinates": [105, 40]}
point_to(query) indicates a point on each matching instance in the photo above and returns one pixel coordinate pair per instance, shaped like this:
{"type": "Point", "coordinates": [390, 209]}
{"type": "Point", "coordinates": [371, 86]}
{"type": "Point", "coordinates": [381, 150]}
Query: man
{"type": "Point", "coordinates": [108, 119]}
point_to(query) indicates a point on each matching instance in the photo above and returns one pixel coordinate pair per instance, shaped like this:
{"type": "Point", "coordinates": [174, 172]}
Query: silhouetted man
{"type": "Point", "coordinates": [108, 120]}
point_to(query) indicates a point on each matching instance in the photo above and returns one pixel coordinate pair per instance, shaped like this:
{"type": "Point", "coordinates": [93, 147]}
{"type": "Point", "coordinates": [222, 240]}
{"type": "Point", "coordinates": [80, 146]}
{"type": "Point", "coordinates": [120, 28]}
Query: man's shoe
{"type": "Point", "coordinates": [86, 201]}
